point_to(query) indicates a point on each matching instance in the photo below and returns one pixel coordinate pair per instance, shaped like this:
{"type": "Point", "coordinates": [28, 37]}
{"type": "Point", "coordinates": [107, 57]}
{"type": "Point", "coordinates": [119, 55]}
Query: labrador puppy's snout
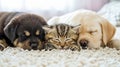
{"type": "Point", "coordinates": [83, 43]}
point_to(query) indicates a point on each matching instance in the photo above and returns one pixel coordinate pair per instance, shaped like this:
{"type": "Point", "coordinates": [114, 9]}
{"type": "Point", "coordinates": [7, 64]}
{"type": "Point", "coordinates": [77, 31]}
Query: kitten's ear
{"type": "Point", "coordinates": [47, 28]}
{"type": "Point", "coordinates": [76, 28]}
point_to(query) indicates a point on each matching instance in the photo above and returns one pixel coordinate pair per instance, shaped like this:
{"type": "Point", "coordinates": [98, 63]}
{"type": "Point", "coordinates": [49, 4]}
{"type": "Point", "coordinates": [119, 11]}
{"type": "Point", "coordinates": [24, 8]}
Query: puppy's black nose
{"type": "Point", "coordinates": [84, 43]}
{"type": "Point", "coordinates": [34, 45]}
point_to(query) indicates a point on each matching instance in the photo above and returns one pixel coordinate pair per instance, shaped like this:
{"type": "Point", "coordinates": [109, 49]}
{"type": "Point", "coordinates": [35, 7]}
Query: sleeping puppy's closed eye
{"type": "Point", "coordinates": [21, 30]}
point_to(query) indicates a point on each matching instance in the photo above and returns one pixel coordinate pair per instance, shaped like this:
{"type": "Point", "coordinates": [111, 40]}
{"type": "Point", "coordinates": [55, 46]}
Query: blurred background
{"type": "Point", "coordinates": [50, 8]}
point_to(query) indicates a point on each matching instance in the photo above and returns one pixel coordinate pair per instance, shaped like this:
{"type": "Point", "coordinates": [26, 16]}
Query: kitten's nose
{"type": "Point", "coordinates": [84, 43]}
{"type": "Point", "coordinates": [62, 47]}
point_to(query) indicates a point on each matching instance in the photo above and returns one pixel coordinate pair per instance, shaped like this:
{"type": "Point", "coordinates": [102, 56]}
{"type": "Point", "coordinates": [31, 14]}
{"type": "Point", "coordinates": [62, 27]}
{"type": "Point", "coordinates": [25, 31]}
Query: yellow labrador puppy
{"type": "Point", "coordinates": [94, 32]}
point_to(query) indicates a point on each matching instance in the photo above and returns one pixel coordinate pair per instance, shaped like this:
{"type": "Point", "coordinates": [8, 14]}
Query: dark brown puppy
{"type": "Point", "coordinates": [23, 30]}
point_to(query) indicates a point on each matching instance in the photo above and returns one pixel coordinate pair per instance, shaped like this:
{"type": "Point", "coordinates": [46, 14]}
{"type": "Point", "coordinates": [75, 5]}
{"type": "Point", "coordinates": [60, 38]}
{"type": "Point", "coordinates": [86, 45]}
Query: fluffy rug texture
{"type": "Point", "coordinates": [16, 57]}
{"type": "Point", "coordinates": [104, 57]}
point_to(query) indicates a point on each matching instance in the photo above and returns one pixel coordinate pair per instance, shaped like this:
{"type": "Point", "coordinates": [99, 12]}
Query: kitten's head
{"type": "Point", "coordinates": [61, 36]}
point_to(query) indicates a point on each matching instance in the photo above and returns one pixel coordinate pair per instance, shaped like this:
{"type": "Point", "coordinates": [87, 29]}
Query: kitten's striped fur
{"type": "Point", "coordinates": [61, 36]}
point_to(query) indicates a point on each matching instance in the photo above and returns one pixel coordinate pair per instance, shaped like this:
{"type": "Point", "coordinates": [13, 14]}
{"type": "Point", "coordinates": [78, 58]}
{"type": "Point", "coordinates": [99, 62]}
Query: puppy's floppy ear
{"type": "Point", "coordinates": [108, 30]}
{"type": "Point", "coordinates": [10, 30]}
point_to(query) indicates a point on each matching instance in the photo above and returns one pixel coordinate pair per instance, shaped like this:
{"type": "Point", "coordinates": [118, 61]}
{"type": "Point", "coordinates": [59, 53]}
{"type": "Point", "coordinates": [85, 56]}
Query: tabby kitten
{"type": "Point", "coordinates": [61, 36]}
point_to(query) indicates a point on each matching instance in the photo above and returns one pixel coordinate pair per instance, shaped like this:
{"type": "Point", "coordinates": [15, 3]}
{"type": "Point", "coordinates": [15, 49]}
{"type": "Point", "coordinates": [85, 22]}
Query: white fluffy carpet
{"type": "Point", "coordinates": [16, 57]}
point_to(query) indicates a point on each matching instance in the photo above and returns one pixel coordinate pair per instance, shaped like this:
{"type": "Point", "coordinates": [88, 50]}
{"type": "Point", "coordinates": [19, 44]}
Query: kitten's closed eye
{"type": "Point", "coordinates": [56, 39]}
{"type": "Point", "coordinates": [68, 39]}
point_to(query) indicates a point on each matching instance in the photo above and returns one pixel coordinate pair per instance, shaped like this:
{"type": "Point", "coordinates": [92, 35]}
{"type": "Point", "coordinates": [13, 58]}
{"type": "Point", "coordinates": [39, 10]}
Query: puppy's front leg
{"type": "Point", "coordinates": [3, 44]}
{"type": "Point", "coordinates": [115, 43]}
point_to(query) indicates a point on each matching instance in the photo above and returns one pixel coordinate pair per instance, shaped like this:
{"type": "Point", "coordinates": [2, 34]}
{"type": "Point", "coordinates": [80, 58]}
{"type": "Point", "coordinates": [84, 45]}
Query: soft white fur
{"type": "Point", "coordinates": [69, 18]}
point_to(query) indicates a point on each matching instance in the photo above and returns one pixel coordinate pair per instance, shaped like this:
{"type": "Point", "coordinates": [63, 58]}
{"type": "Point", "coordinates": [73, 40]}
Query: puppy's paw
{"type": "Point", "coordinates": [74, 48]}
{"type": "Point", "coordinates": [114, 44]}
{"type": "Point", "coordinates": [3, 44]}
{"type": "Point", "coordinates": [1, 47]}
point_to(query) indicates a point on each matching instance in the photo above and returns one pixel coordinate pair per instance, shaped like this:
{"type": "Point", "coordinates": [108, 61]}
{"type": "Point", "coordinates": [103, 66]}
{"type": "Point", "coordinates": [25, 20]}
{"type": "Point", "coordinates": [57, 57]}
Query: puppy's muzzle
{"type": "Point", "coordinates": [83, 43]}
{"type": "Point", "coordinates": [34, 45]}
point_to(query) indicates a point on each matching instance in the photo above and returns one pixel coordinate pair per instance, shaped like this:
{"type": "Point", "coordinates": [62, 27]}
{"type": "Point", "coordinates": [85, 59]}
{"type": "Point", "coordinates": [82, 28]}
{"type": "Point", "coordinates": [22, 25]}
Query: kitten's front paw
{"type": "Point", "coordinates": [74, 48]}
{"type": "Point", "coordinates": [49, 46]}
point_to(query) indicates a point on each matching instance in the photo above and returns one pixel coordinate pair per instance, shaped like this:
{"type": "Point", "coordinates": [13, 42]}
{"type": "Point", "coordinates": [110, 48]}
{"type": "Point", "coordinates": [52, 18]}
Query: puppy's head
{"type": "Point", "coordinates": [26, 31]}
{"type": "Point", "coordinates": [95, 31]}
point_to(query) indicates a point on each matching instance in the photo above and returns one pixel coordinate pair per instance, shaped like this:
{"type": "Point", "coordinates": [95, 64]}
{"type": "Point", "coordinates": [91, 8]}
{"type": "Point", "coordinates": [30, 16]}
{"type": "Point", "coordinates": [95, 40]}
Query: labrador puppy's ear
{"type": "Point", "coordinates": [10, 30]}
{"type": "Point", "coordinates": [108, 30]}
